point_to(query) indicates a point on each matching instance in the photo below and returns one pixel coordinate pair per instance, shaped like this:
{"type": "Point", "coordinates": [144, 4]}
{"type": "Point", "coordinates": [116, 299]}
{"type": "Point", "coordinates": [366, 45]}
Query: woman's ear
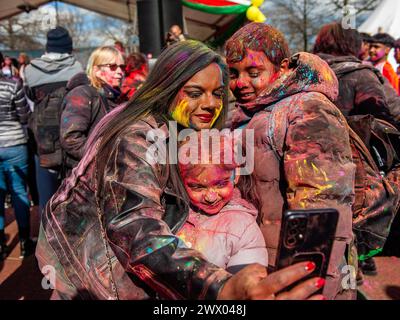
{"type": "Point", "coordinates": [284, 66]}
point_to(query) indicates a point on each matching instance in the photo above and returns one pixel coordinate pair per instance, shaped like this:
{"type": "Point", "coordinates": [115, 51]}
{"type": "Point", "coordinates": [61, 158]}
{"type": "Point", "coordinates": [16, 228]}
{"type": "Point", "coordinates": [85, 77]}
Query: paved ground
{"type": "Point", "coordinates": [21, 279]}
{"type": "Point", "coordinates": [386, 284]}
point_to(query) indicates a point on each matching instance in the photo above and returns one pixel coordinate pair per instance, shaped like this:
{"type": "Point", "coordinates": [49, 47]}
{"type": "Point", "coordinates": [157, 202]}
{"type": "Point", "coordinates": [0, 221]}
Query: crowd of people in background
{"type": "Point", "coordinates": [73, 142]}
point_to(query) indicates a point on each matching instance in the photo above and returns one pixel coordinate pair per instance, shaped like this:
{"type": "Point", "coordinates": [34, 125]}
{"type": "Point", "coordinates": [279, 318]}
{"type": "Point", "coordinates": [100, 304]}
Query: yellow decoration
{"type": "Point", "coordinates": [260, 17]}
{"type": "Point", "coordinates": [257, 3]}
{"type": "Point", "coordinates": [252, 13]}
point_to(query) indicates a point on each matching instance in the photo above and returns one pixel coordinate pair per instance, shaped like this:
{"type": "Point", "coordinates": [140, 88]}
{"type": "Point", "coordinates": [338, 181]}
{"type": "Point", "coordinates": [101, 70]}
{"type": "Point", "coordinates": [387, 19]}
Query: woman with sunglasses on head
{"type": "Point", "coordinates": [90, 97]}
{"type": "Point", "coordinates": [110, 230]}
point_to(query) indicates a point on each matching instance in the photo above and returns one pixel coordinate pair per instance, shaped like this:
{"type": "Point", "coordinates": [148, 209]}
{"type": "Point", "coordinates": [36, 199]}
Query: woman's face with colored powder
{"type": "Point", "coordinates": [252, 75]}
{"type": "Point", "coordinates": [200, 101]}
{"type": "Point", "coordinates": [209, 186]}
{"type": "Point", "coordinates": [112, 72]}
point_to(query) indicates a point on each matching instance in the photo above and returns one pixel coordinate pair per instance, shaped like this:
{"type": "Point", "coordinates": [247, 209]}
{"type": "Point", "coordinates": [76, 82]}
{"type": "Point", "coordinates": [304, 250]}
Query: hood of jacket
{"type": "Point", "coordinates": [51, 68]}
{"type": "Point", "coordinates": [51, 62]}
{"type": "Point", "coordinates": [307, 73]}
{"type": "Point", "coordinates": [77, 80]}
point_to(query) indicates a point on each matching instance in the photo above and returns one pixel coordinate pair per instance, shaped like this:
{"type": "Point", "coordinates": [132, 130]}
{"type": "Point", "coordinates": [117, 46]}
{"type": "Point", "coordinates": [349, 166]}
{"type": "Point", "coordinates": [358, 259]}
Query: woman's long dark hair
{"type": "Point", "coordinates": [333, 39]}
{"type": "Point", "coordinates": [175, 66]}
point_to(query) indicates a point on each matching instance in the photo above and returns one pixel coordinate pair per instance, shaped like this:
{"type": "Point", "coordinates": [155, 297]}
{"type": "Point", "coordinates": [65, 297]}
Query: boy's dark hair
{"type": "Point", "coordinates": [1, 58]}
{"type": "Point", "coordinates": [335, 40]}
{"type": "Point", "coordinates": [365, 37]}
{"type": "Point", "coordinates": [384, 38]}
{"type": "Point", "coordinates": [257, 37]}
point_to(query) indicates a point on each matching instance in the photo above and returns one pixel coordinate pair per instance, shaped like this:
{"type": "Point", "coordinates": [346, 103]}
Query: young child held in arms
{"type": "Point", "coordinates": [221, 224]}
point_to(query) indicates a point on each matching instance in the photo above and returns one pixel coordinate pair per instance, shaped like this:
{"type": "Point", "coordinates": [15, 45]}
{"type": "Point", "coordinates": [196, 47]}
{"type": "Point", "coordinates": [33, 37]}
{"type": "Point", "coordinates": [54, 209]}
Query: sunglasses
{"type": "Point", "coordinates": [113, 66]}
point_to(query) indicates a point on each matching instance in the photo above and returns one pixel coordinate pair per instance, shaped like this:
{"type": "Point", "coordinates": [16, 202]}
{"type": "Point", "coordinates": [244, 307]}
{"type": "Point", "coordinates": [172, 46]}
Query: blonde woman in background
{"type": "Point", "coordinates": [91, 96]}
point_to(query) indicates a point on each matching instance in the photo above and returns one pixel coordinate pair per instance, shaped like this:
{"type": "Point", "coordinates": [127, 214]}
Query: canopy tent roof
{"type": "Point", "coordinates": [385, 18]}
{"type": "Point", "coordinates": [199, 25]}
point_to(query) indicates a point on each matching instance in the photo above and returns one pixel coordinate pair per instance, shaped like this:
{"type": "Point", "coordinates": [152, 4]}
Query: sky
{"type": "Point", "coordinates": [92, 24]}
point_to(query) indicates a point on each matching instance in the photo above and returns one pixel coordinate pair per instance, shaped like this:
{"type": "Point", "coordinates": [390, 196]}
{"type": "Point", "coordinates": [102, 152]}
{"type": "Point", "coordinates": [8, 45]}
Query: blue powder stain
{"type": "Point", "coordinates": [149, 250]}
{"type": "Point", "coordinates": [308, 75]}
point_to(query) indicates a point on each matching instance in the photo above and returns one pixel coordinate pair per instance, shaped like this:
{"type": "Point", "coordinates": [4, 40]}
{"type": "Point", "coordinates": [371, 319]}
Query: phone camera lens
{"type": "Point", "coordinates": [291, 241]}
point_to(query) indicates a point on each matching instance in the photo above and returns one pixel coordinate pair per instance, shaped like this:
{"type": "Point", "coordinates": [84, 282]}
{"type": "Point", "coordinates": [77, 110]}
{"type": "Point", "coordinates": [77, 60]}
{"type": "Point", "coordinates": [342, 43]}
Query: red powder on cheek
{"type": "Point", "coordinates": [380, 54]}
{"type": "Point", "coordinates": [107, 77]}
{"type": "Point", "coordinates": [274, 77]}
{"type": "Point", "coordinates": [181, 95]}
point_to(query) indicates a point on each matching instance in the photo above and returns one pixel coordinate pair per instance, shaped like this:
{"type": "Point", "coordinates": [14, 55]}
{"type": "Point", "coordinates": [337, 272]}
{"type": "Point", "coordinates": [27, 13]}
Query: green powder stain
{"type": "Point", "coordinates": [370, 254]}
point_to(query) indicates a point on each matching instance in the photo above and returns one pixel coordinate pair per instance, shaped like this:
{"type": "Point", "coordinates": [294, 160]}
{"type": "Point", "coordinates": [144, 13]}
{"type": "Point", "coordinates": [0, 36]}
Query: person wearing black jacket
{"type": "Point", "coordinates": [362, 89]}
{"type": "Point", "coordinates": [90, 97]}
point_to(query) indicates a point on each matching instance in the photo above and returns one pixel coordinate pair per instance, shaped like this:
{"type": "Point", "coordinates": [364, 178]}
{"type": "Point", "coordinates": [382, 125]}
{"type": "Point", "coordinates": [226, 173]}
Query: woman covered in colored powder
{"type": "Point", "coordinates": [221, 224]}
{"type": "Point", "coordinates": [110, 229]}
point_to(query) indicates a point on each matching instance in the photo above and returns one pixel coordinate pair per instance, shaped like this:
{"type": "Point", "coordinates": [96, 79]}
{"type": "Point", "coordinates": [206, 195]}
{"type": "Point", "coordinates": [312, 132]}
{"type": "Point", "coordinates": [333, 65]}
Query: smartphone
{"type": "Point", "coordinates": [307, 235]}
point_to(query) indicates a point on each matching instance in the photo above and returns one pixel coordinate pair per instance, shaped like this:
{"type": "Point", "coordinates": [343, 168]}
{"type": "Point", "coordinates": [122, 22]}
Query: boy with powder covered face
{"type": "Point", "coordinates": [221, 224]}
{"type": "Point", "coordinates": [379, 50]}
{"type": "Point", "coordinates": [302, 154]}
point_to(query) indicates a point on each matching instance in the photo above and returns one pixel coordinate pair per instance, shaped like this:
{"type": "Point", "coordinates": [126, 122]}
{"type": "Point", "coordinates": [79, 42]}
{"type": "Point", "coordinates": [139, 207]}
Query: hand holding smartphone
{"type": "Point", "coordinates": [307, 235]}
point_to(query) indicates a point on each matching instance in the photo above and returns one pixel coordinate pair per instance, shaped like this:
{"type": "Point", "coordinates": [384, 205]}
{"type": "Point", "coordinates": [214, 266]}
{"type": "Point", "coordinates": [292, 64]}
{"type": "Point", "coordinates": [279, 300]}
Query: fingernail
{"type": "Point", "coordinates": [310, 266]}
{"type": "Point", "coordinates": [320, 283]}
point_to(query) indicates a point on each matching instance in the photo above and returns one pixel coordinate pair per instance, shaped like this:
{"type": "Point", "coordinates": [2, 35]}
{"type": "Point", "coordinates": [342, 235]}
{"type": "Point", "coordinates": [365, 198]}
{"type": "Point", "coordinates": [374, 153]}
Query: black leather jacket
{"type": "Point", "coordinates": [140, 216]}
